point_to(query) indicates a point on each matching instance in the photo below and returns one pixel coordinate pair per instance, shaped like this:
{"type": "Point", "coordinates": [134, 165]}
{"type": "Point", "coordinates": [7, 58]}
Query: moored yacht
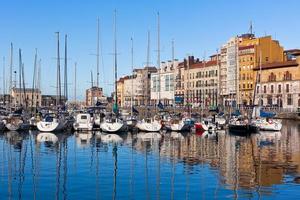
{"type": "Point", "coordinates": [149, 125]}
{"type": "Point", "coordinates": [113, 125]}
{"type": "Point", "coordinates": [83, 121]}
{"type": "Point", "coordinates": [15, 122]}
{"type": "Point", "coordinates": [52, 123]}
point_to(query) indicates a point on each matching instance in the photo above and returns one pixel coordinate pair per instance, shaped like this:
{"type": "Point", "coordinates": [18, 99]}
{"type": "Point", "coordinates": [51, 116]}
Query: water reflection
{"type": "Point", "coordinates": [149, 165]}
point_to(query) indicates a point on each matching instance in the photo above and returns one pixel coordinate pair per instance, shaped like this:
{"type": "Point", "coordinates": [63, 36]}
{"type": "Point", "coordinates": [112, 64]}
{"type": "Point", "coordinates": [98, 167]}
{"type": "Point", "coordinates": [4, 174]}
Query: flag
{"type": "Point", "coordinates": [98, 103]}
{"type": "Point", "coordinates": [160, 105]}
{"type": "Point", "coordinates": [134, 110]}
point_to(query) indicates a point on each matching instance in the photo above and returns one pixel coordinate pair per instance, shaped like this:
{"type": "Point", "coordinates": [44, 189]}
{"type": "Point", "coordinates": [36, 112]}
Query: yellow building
{"type": "Point", "coordinates": [250, 51]}
{"type": "Point", "coordinates": [279, 84]}
{"type": "Point", "coordinates": [121, 91]}
{"type": "Point", "coordinates": [93, 95]}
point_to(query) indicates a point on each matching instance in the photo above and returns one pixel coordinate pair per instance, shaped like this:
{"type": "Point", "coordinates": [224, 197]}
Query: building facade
{"type": "Point", "coordinates": [253, 52]}
{"type": "Point", "coordinates": [229, 72]}
{"type": "Point", "coordinates": [201, 85]}
{"type": "Point", "coordinates": [163, 84]}
{"type": "Point", "coordinates": [26, 97]}
{"type": "Point", "coordinates": [279, 84]}
{"type": "Point", "coordinates": [93, 95]}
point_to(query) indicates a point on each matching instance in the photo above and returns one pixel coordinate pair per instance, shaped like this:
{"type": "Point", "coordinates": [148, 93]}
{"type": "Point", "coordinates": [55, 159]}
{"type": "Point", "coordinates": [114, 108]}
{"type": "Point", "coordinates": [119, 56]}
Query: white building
{"type": "Point", "coordinates": [229, 70]}
{"type": "Point", "coordinates": [163, 82]}
{"type": "Point", "coordinates": [137, 87]}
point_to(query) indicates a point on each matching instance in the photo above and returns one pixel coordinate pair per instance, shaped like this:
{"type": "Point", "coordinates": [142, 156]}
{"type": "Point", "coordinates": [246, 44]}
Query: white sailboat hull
{"type": "Point", "coordinates": [51, 126]}
{"type": "Point", "coordinates": [154, 126]}
{"type": "Point", "coordinates": [112, 127]}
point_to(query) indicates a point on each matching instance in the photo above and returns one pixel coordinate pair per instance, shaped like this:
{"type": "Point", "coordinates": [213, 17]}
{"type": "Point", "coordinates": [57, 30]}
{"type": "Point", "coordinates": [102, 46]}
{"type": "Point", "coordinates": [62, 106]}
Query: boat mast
{"type": "Point", "coordinates": [115, 60]}
{"type": "Point", "coordinates": [4, 89]}
{"type": "Point", "coordinates": [20, 75]}
{"type": "Point", "coordinates": [92, 81]}
{"type": "Point", "coordinates": [173, 63]}
{"type": "Point", "coordinates": [98, 41]}
{"type": "Point", "coordinates": [58, 80]}
{"type": "Point", "coordinates": [147, 65]}
{"type": "Point", "coordinates": [39, 74]}
{"type": "Point", "coordinates": [66, 71]}
{"type": "Point", "coordinates": [158, 55]}
{"type": "Point", "coordinates": [34, 80]}
{"type": "Point", "coordinates": [131, 99]}
{"type": "Point", "coordinates": [75, 82]}
{"type": "Point", "coordinates": [10, 73]}
{"type": "Point", "coordinates": [23, 81]}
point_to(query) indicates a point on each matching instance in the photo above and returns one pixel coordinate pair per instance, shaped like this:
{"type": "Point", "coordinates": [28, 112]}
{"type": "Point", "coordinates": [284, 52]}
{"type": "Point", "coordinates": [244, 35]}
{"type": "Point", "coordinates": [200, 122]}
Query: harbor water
{"type": "Point", "coordinates": [205, 165]}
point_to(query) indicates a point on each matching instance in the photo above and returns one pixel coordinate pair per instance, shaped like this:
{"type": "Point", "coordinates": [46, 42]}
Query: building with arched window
{"type": "Point", "coordinates": [279, 84]}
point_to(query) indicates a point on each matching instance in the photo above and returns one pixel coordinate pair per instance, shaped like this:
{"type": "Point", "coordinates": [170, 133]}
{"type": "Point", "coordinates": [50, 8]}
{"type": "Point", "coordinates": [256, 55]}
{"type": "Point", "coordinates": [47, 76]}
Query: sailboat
{"type": "Point", "coordinates": [131, 120]}
{"type": "Point", "coordinates": [53, 122]}
{"type": "Point", "coordinates": [153, 124]}
{"type": "Point", "coordinates": [264, 120]}
{"type": "Point", "coordinates": [114, 124]}
{"type": "Point", "coordinates": [17, 121]}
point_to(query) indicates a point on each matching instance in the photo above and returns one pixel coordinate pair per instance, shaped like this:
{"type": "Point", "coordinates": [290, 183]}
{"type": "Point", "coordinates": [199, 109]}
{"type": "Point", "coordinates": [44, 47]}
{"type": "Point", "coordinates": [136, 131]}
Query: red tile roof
{"type": "Point", "coordinates": [203, 64]}
{"type": "Point", "coordinates": [274, 65]}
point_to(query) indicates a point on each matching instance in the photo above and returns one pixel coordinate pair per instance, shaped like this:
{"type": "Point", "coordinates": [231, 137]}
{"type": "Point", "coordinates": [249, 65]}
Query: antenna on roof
{"type": "Point", "coordinates": [251, 28]}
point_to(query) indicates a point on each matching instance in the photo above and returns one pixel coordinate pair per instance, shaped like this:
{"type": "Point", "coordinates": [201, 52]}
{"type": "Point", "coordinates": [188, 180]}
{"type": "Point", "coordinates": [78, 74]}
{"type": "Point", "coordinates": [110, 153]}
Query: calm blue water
{"type": "Point", "coordinates": [139, 166]}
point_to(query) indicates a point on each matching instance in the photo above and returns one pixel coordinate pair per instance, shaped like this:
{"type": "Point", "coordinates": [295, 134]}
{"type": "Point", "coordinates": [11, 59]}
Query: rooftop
{"type": "Point", "coordinates": [274, 65]}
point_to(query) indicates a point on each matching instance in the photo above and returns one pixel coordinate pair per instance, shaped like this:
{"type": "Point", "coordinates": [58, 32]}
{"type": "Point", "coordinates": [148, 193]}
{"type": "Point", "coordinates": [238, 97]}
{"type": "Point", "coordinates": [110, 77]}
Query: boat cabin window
{"type": "Point", "coordinates": [83, 117]}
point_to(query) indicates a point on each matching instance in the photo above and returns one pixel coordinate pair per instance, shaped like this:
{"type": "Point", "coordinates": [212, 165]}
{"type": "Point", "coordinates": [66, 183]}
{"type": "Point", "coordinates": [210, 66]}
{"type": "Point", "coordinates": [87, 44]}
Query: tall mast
{"type": "Point", "coordinates": [158, 55]}
{"type": "Point", "coordinates": [34, 79]}
{"type": "Point", "coordinates": [4, 89]}
{"type": "Point", "coordinates": [115, 58]}
{"type": "Point", "coordinates": [131, 98]}
{"type": "Point", "coordinates": [147, 65]}
{"type": "Point", "coordinates": [98, 40]}
{"type": "Point", "coordinates": [92, 81]}
{"type": "Point", "coordinates": [173, 64]}
{"type": "Point", "coordinates": [148, 50]}
{"type": "Point", "coordinates": [66, 70]}
{"type": "Point", "coordinates": [58, 80]}
{"type": "Point", "coordinates": [20, 75]}
{"type": "Point", "coordinates": [10, 73]}
{"type": "Point", "coordinates": [75, 82]}
{"type": "Point", "coordinates": [260, 93]}
{"type": "Point", "coordinates": [23, 82]}
{"type": "Point", "coordinates": [39, 75]}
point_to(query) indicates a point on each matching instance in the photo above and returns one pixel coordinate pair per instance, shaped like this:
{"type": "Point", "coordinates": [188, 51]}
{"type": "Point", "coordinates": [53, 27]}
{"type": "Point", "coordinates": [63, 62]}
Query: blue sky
{"type": "Point", "coordinates": [198, 28]}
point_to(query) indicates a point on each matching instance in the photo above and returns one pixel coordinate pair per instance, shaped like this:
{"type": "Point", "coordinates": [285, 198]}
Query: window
{"type": "Point", "coordinates": [265, 89]}
{"type": "Point", "coordinates": [244, 86]}
{"type": "Point", "coordinates": [289, 99]}
{"type": "Point", "coordinates": [272, 77]}
{"type": "Point", "coordinates": [267, 59]}
{"type": "Point", "coordinates": [257, 89]}
{"type": "Point", "coordinates": [279, 88]}
{"type": "Point", "coordinates": [287, 76]}
{"type": "Point", "coordinates": [269, 99]}
{"type": "Point", "coordinates": [272, 88]}
{"type": "Point", "coordinates": [287, 88]}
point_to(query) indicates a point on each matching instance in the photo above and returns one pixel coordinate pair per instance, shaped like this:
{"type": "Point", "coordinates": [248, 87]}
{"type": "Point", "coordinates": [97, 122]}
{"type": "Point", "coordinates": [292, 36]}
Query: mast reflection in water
{"type": "Point", "coordinates": [150, 165]}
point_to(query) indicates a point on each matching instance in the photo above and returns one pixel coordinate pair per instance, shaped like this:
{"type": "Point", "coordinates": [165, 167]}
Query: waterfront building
{"type": "Point", "coordinates": [252, 52]}
{"type": "Point", "coordinates": [162, 84]}
{"type": "Point", "coordinates": [279, 84]}
{"type": "Point", "coordinates": [93, 95]}
{"type": "Point", "coordinates": [26, 97]}
{"type": "Point", "coordinates": [229, 72]}
{"type": "Point", "coordinates": [137, 87]}
{"type": "Point", "coordinates": [201, 85]}
{"type": "Point", "coordinates": [179, 82]}
{"type": "Point", "coordinates": [120, 90]}
{"type": "Point", "coordinates": [50, 100]}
